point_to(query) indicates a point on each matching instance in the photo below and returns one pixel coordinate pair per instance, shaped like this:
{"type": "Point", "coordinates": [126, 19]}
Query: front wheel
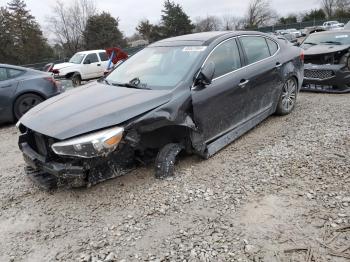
{"type": "Point", "coordinates": [76, 80]}
{"type": "Point", "coordinates": [287, 100]}
{"type": "Point", "coordinates": [165, 161]}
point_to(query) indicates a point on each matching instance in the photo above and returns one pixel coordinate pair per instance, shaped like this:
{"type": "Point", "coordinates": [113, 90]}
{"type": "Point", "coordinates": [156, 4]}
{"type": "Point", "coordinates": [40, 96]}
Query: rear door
{"type": "Point", "coordinates": [263, 67]}
{"type": "Point", "coordinates": [220, 106]}
{"type": "Point", "coordinates": [91, 66]}
{"type": "Point", "coordinates": [104, 61]}
{"type": "Point", "coordinates": [8, 85]}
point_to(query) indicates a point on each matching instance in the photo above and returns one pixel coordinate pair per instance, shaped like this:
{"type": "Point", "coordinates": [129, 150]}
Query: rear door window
{"type": "Point", "coordinates": [12, 73]}
{"type": "Point", "coordinates": [255, 48]}
{"type": "Point", "coordinates": [103, 56]}
{"type": "Point", "coordinates": [225, 57]}
{"type": "Point", "coordinates": [3, 74]}
{"type": "Point", "coordinates": [92, 57]}
{"type": "Point", "coordinates": [273, 47]}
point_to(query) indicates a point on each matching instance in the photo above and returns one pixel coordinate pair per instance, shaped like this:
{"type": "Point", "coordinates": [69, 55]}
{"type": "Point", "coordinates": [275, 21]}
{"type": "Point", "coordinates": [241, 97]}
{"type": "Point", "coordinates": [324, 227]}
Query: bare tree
{"type": "Point", "coordinates": [68, 23]}
{"type": "Point", "coordinates": [230, 22]}
{"type": "Point", "coordinates": [343, 4]}
{"type": "Point", "coordinates": [329, 7]}
{"type": "Point", "coordinates": [210, 23]}
{"type": "Point", "coordinates": [259, 14]}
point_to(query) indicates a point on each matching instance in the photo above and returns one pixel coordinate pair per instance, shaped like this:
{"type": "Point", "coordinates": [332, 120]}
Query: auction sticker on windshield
{"type": "Point", "coordinates": [341, 36]}
{"type": "Point", "coordinates": [194, 48]}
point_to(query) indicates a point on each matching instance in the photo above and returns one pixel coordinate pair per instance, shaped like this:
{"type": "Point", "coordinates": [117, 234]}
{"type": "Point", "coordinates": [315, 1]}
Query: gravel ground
{"type": "Point", "coordinates": [279, 193]}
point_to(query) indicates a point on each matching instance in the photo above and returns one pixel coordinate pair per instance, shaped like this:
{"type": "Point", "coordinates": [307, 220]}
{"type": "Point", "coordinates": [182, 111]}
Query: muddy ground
{"type": "Point", "coordinates": [279, 193]}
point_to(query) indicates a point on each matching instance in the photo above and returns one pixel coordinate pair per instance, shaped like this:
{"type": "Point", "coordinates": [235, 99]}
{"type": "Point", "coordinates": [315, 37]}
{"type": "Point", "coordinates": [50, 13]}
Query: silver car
{"type": "Point", "coordinates": [23, 88]}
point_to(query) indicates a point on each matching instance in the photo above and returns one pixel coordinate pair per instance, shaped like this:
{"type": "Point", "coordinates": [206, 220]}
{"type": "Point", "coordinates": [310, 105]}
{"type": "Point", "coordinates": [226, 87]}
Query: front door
{"type": "Point", "coordinates": [220, 106]}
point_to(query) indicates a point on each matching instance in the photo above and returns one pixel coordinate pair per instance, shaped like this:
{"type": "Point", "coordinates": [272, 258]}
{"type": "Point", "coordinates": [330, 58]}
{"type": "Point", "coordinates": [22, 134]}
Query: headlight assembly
{"type": "Point", "coordinates": [91, 145]}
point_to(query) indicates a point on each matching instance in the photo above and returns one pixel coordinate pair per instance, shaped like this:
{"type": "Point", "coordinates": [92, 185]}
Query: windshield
{"type": "Point", "coordinates": [338, 38]}
{"type": "Point", "coordinates": [156, 67]}
{"type": "Point", "coordinates": [77, 58]}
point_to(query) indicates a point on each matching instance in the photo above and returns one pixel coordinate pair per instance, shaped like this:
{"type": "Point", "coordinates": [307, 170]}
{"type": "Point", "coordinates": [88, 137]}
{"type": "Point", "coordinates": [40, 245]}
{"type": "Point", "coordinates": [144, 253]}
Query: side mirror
{"type": "Point", "coordinates": [87, 62]}
{"type": "Point", "coordinates": [206, 75]}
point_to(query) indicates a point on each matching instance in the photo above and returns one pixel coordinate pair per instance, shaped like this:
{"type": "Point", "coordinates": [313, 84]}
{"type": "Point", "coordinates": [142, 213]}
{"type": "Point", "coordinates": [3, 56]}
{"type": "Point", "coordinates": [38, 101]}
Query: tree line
{"type": "Point", "coordinates": [79, 25]}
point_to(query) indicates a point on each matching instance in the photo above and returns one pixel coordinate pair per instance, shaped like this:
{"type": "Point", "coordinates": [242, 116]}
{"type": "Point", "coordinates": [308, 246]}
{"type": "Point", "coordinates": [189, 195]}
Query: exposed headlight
{"type": "Point", "coordinates": [91, 145]}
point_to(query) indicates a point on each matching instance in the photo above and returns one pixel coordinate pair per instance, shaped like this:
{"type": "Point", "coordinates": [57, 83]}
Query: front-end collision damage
{"type": "Point", "coordinates": [327, 72]}
{"type": "Point", "coordinates": [53, 161]}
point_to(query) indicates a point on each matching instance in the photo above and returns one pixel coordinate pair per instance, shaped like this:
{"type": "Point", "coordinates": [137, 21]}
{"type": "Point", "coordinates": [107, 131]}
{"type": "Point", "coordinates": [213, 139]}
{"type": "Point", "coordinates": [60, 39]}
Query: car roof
{"type": "Point", "coordinates": [204, 38]}
{"type": "Point", "coordinates": [14, 67]}
{"type": "Point", "coordinates": [91, 51]}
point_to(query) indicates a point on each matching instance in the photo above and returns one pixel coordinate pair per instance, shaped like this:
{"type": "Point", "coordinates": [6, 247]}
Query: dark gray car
{"type": "Point", "coordinates": [21, 89]}
{"type": "Point", "coordinates": [194, 93]}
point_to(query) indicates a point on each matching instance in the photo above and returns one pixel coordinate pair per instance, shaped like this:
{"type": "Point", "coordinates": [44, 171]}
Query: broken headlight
{"type": "Point", "coordinates": [91, 145]}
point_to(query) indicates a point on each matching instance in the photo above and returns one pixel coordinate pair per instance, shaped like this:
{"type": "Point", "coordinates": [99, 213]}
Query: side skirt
{"type": "Point", "coordinates": [232, 135]}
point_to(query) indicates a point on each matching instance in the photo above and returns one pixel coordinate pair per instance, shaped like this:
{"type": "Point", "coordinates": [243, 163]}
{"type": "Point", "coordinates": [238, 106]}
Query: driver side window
{"type": "Point", "coordinates": [225, 57]}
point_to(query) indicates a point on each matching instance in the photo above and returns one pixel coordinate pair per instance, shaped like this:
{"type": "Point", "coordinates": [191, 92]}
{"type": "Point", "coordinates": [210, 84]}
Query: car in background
{"type": "Point", "coordinates": [83, 66]}
{"type": "Point", "coordinates": [294, 32]}
{"type": "Point", "coordinates": [21, 89]}
{"type": "Point", "coordinates": [289, 37]}
{"type": "Point", "coordinates": [333, 25]}
{"type": "Point", "coordinates": [193, 94]}
{"type": "Point", "coordinates": [281, 32]}
{"type": "Point", "coordinates": [327, 63]}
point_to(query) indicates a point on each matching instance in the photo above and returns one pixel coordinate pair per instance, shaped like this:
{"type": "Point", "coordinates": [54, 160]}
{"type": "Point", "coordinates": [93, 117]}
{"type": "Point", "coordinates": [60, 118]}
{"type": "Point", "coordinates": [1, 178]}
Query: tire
{"type": "Point", "coordinates": [76, 80]}
{"type": "Point", "coordinates": [165, 161]}
{"type": "Point", "coordinates": [288, 98]}
{"type": "Point", "coordinates": [24, 103]}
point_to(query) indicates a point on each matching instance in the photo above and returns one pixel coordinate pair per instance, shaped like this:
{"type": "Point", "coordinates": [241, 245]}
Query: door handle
{"type": "Point", "coordinates": [98, 64]}
{"type": "Point", "coordinates": [278, 65]}
{"type": "Point", "coordinates": [243, 83]}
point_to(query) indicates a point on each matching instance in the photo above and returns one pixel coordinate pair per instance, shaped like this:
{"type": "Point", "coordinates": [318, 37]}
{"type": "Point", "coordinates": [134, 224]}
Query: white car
{"type": "Point", "coordinates": [333, 25]}
{"type": "Point", "coordinates": [294, 32]}
{"type": "Point", "coordinates": [83, 66]}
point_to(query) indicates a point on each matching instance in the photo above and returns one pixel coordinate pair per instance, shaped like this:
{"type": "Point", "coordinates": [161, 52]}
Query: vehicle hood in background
{"type": "Point", "coordinates": [64, 65]}
{"type": "Point", "coordinates": [323, 49]}
{"type": "Point", "coordinates": [90, 108]}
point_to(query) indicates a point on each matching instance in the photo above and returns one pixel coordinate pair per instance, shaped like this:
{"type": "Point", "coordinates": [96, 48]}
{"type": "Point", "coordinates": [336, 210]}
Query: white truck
{"type": "Point", "coordinates": [333, 25]}
{"type": "Point", "coordinates": [83, 66]}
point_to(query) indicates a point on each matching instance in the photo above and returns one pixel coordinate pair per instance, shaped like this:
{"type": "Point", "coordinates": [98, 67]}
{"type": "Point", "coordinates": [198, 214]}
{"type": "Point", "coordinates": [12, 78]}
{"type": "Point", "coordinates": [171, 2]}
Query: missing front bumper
{"type": "Point", "coordinates": [50, 174]}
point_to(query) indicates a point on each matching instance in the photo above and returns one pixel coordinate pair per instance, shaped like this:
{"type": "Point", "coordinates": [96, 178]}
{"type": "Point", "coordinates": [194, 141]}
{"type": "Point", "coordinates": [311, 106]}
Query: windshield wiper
{"type": "Point", "coordinates": [131, 86]}
{"type": "Point", "coordinates": [309, 43]}
{"type": "Point", "coordinates": [331, 42]}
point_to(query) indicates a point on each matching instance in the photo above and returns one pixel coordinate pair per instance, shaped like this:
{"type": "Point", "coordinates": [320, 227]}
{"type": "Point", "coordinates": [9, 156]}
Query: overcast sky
{"type": "Point", "coordinates": [131, 12]}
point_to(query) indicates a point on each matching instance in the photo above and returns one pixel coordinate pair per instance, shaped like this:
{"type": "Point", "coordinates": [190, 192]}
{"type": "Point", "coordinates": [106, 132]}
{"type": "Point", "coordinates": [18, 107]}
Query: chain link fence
{"type": "Point", "coordinates": [301, 25]}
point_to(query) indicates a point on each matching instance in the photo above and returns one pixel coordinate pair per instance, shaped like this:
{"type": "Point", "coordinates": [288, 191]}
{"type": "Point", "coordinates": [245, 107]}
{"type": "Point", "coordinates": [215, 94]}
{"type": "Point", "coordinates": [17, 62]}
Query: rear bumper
{"type": "Point", "coordinates": [326, 78]}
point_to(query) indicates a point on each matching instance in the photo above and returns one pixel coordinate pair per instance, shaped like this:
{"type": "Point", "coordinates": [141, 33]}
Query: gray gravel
{"type": "Point", "coordinates": [279, 193]}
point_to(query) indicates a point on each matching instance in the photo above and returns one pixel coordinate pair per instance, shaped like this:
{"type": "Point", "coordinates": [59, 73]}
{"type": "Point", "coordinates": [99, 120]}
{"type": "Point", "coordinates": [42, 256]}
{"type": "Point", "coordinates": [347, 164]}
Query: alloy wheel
{"type": "Point", "coordinates": [289, 94]}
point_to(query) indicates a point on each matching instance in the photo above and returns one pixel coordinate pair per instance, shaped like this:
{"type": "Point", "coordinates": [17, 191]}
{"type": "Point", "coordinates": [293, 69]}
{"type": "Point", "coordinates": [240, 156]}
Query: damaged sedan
{"type": "Point", "coordinates": [191, 94]}
{"type": "Point", "coordinates": [327, 64]}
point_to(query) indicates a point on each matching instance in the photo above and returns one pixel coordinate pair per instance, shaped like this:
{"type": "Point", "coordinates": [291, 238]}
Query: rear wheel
{"type": "Point", "coordinates": [24, 103]}
{"type": "Point", "coordinates": [288, 97]}
{"type": "Point", "coordinates": [76, 80]}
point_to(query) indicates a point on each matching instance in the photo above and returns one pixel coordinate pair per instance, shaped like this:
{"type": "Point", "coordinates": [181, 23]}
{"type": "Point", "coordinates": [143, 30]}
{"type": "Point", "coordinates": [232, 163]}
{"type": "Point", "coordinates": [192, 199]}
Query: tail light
{"type": "Point", "coordinates": [302, 56]}
{"type": "Point", "coordinates": [55, 71]}
{"type": "Point", "coordinates": [57, 86]}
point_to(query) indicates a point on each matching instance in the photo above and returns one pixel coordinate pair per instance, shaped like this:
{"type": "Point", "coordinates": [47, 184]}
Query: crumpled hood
{"type": "Point", "coordinates": [63, 65]}
{"type": "Point", "coordinates": [91, 107]}
{"type": "Point", "coordinates": [323, 49]}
